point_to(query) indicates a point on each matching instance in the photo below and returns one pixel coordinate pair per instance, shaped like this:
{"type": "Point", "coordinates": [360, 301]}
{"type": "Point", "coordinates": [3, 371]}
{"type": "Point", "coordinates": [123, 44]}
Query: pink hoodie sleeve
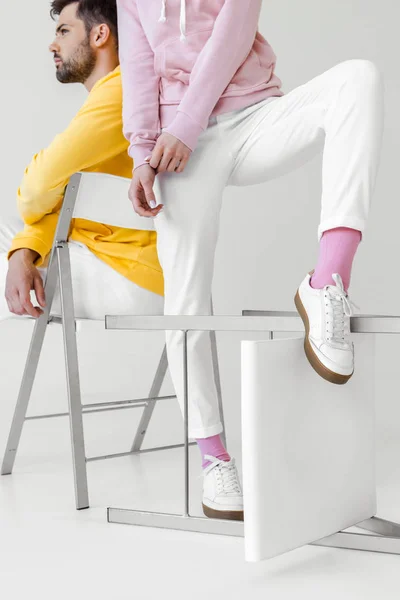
{"type": "Point", "coordinates": [229, 45]}
{"type": "Point", "coordinates": [141, 124]}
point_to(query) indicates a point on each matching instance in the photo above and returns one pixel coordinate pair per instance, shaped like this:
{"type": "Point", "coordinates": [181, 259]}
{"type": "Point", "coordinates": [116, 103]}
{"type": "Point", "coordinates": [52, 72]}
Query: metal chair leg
{"type": "Point", "coordinates": [72, 372]}
{"type": "Point", "coordinates": [30, 370]}
{"type": "Point", "coordinates": [151, 404]}
{"type": "Point", "coordinates": [217, 378]}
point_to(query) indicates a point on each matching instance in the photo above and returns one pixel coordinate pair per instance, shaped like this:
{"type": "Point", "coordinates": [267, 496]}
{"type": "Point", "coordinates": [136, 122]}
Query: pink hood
{"type": "Point", "coordinates": [183, 61]}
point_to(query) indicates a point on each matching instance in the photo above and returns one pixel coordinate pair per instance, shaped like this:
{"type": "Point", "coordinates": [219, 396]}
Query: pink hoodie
{"type": "Point", "coordinates": [183, 61]}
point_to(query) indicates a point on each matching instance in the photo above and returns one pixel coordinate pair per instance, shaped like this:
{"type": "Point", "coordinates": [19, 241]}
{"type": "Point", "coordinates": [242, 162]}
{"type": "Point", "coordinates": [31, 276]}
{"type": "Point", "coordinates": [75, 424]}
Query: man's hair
{"type": "Point", "coordinates": [91, 12]}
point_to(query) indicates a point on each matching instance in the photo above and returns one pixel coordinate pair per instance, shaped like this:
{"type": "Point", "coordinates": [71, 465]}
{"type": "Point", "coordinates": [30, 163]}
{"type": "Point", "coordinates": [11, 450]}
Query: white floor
{"type": "Point", "coordinates": [49, 550]}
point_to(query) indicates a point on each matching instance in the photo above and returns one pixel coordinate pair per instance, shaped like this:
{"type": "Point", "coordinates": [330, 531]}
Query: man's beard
{"type": "Point", "coordinates": [79, 67]}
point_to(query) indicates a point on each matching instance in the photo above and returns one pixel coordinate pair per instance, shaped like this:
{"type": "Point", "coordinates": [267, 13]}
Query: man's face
{"type": "Point", "coordinates": [73, 55]}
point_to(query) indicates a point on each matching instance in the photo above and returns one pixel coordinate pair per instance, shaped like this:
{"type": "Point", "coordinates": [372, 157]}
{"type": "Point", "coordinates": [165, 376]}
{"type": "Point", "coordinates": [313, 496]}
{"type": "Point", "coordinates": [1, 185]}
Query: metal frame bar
{"type": "Point", "coordinates": [343, 539]}
{"type": "Point", "coordinates": [217, 378]}
{"type": "Point", "coordinates": [148, 411]}
{"type": "Point", "coordinates": [387, 538]}
{"type": "Point", "coordinates": [73, 380]}
{"type": "Point", "coordinates": [59, 270]}
{"type": "Point", "coordinates": [108, 406]}
{"type": "Point", "coordinates": [272, 321]}
{"type": "Point", "coordinates": [142, 451]}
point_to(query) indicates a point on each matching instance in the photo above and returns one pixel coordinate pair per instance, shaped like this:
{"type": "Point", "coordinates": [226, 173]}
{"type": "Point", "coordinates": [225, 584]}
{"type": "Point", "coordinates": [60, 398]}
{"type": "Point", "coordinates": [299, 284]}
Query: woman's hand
{"type": "Point", "coordinates": [141, 192]}
{"type": "Point", "coordinates": [169, 154]}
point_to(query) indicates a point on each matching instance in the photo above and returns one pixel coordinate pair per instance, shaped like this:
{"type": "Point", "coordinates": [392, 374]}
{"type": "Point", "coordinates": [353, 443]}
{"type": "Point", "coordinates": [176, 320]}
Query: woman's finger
{"type": "Point", "coordinates": [174, 164]}
{"type": "Point", "coordinates": [150, 213]}
{"type": "Point", "coordinates": [182, 165]}
{"type": "Point", "coordinates": [166, 160]}
{"type": "Point", "coordinates": [156, 156]}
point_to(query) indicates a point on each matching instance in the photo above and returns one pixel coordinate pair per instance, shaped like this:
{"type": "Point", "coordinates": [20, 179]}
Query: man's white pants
{"type": "Point", "coordinates": [340, 112]}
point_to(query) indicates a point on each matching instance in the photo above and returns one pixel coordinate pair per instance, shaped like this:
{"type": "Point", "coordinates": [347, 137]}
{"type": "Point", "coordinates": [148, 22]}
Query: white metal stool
{"type": "Point", "coordinates": [386, 534]}
{"type": "Point", "coordinates": [88, 197]}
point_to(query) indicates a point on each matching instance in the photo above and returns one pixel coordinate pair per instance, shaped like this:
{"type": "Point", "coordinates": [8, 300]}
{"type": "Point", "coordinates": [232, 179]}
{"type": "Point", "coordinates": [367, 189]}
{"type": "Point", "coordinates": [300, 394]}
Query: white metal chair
{"type": "Point", "coordinates": [88, 197]}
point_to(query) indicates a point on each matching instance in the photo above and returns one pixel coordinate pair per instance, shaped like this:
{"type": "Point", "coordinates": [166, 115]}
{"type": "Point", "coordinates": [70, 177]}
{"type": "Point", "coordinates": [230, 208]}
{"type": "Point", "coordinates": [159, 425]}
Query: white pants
{"type": "Point", "coordinates": [340, 112]}
{"type": "Point", "coordinates": [97, 288]}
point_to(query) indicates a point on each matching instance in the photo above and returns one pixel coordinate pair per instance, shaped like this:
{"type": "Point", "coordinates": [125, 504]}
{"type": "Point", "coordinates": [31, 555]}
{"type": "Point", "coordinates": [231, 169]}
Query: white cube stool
{"type": "Point", "coordinates": [308, 447]}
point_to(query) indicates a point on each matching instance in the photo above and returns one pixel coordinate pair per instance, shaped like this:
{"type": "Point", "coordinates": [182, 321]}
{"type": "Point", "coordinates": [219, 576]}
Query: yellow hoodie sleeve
{"type": "Point", "coordinates": [93, 137]}
{"type": "Point", "coordinates": [38, 237]}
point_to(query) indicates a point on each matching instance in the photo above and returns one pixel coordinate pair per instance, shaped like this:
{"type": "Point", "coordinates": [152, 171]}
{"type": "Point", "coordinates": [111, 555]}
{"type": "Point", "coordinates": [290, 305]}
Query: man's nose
{"type": "Point", "coordinates": [54, 47]}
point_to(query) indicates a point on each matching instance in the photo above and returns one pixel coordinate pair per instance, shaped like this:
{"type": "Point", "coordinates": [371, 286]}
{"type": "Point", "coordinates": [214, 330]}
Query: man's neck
{"type": "Point", "coordinates": [102, 68]}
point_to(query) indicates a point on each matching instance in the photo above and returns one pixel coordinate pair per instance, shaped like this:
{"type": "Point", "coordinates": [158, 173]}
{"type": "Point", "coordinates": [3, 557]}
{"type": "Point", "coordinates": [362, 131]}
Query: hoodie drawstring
{"type": "Point", "coordinates": [183, 21]}
{"type": "Point", "coordinates": [163, 17]}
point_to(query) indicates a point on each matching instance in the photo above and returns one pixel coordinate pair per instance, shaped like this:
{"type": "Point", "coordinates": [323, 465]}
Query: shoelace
{"type": "Point", "coordinates": [228, 478]}
{"type": "Point", "coordinates": [163, 17]}
{"type": "Point", "coordinates": [342, 307]}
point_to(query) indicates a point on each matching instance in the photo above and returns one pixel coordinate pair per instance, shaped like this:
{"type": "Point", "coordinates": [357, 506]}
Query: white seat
{"type": "Point", "coordinates": [102, 198]}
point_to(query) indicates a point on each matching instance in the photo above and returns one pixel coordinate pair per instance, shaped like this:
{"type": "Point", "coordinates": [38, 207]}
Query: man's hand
{"type": "Point", "coordinates": [169, 154]}
{"type": "Point", "coordinates": [141, 192]}
{"type": "Point", "coordinates": [22, 277]}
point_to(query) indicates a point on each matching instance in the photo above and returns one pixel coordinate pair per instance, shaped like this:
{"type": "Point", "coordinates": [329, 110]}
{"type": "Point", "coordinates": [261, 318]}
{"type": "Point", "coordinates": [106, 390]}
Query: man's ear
{"type": "Point", "coordinates": [100, 35]}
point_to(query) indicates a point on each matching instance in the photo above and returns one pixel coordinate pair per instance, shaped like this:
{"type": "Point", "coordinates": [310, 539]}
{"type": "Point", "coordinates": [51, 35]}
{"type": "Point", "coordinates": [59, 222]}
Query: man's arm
{"type": "Point", "coordinates": [231, 41]}
{"type": "Point", "coordinates": [38, 238]}
{"type": "Point", "coordinates": [140, 84]}
{"type": "Point", "coordinates": [93, 136]}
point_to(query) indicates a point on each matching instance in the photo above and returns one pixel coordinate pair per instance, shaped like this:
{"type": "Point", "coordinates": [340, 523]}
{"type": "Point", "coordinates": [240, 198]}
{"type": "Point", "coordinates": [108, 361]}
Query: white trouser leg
{"type": "Point", "coordinates": [187, 233]}
{"type": "Point", "coordinates": [340, 111]}
{"type": "Point", "coordinates": [97, 288]}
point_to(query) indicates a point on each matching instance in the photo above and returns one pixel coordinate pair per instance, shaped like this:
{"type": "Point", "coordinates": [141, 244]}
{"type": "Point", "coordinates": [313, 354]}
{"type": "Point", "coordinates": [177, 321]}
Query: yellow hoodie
{"type": "Point", "coordinates": [92, 142]}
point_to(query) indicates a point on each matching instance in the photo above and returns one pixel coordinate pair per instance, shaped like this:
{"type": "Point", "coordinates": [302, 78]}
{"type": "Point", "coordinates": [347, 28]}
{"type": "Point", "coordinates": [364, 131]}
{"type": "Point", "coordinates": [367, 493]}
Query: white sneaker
{"type": "Point", "coordinates": [326, 316]}
{"type": "Point", "coordinates": [222, 492]}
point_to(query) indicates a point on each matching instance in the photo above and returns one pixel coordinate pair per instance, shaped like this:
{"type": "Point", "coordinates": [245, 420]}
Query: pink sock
{"type": "Point", "coordinates": [336, 253]}
{"type": "Point", "coordinates": [212, 445]}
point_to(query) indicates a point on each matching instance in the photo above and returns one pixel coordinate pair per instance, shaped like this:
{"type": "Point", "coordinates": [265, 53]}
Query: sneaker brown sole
{"type": "Point", "coordinates": [231, 515]}
{"type": "Point", "coordinates": [313, 359]}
